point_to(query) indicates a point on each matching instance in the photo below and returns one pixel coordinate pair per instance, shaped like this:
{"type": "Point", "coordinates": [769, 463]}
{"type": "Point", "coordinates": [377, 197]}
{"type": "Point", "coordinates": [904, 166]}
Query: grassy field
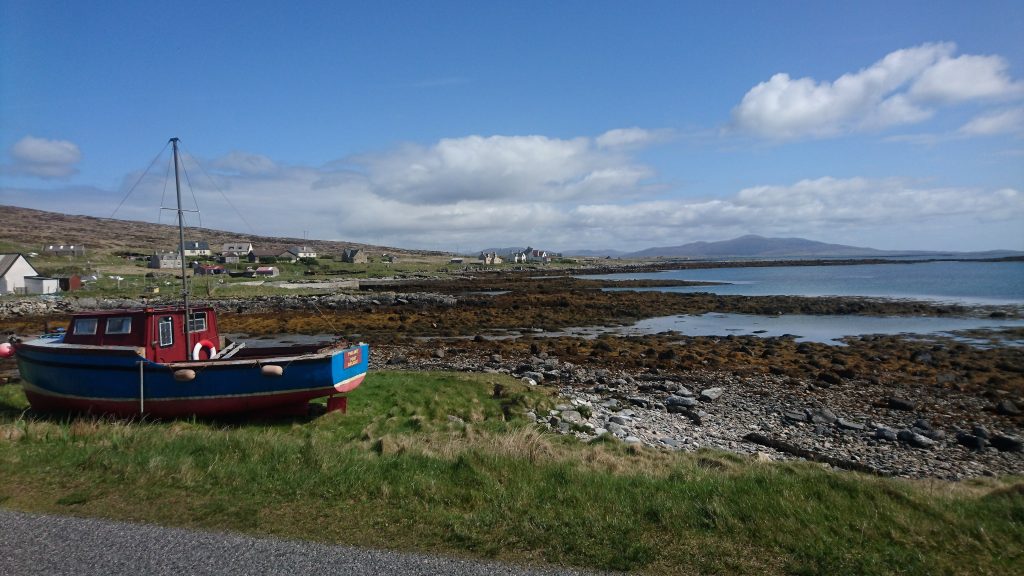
{"type": "Point", "coordinates": [440, 463]}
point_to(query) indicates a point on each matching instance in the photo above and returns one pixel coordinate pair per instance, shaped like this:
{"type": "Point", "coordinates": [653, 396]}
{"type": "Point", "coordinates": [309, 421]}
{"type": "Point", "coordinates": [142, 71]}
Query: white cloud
{"type": "Point", "coordinates": [44, 158]}
{"type": "Point", "coordinates": [246, 164]}
{"type": "Point", "coordinates": [496, 168]}
{"type": "Point", "coordinates": [1000, 122]}
{"type": "Point", "coordinates": [965, 78]}
{"type": "Point", "coordinates": [630, 137]}
{"type": "Point", "coordinates": [904, 87]}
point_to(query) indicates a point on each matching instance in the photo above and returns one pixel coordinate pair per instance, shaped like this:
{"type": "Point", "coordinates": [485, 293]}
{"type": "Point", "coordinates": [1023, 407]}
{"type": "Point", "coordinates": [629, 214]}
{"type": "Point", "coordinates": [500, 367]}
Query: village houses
{"type": "Point", "coordinates": [490, 258]}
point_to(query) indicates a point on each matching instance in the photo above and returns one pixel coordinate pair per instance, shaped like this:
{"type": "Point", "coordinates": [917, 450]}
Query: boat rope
{"type": "Point", "coordinates": [333, 328]}
{"type": "Point", "coordinates": [139, 181]}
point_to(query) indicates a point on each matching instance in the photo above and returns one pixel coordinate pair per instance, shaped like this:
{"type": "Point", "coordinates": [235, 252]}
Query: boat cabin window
{"type": "Point", "coordinates": [198, 322]}
{"type": "Point", "coordinates": [120, 325]}
{"type": "Point", "coordinates": [166, 328]}
{"type": "Point", "coordinates": [85, 326]}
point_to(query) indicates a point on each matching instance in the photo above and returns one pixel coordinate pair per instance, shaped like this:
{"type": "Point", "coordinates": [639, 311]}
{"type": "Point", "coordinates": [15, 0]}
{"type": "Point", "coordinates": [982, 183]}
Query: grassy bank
{"type": "Point", "coordinates": [439, 463]}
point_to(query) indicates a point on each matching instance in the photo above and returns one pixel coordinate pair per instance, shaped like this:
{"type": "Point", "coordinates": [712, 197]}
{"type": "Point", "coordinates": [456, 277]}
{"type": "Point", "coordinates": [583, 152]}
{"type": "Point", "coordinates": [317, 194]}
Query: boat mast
{"type": "Point", "coordinates": [181, 248]}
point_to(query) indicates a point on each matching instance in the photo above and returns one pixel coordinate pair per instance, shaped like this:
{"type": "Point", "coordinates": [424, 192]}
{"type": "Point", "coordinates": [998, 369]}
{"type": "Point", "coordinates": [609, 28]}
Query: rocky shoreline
{"type": "Point", "coordinates": [852, 425]}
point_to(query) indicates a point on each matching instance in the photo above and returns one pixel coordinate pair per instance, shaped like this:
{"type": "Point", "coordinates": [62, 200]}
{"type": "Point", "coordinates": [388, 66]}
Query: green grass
{"type": "Point", "coordinates": [434, 462]}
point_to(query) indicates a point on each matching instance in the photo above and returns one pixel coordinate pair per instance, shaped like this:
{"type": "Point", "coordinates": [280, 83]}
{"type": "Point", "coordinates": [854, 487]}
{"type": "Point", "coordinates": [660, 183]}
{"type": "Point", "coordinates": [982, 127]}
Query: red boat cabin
{"type": "Point", "coordinates": [161, 331]}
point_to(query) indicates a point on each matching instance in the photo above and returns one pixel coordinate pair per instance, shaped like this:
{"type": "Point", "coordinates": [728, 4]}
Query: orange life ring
{"type": "Point", "coordinates": [211, 350]}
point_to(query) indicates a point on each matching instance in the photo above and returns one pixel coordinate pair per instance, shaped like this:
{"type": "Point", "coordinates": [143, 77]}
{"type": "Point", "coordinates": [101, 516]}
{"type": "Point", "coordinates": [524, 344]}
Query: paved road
{"type": "Point", "coordinates": [56, 545]}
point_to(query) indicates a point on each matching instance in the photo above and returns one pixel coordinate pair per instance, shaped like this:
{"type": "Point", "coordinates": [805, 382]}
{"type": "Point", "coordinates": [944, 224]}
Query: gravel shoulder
{"type": "Point", "coordinates": [58, 545]}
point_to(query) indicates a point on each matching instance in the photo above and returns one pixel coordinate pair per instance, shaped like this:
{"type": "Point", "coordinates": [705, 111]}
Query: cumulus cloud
{"type": "Point", "coordinates": [905, 87]}
{"type": "Point", "coordinates": [1000, 122]}
{"type": "Point", "coordinates": [495, 168]}
{"type": "Point", "coordinates": [44, 158]}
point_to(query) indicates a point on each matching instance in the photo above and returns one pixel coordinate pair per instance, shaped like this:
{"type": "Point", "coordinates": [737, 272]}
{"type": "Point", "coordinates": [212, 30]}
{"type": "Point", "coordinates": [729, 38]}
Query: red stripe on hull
{"type": "Point", "coordinates": [203, 407]}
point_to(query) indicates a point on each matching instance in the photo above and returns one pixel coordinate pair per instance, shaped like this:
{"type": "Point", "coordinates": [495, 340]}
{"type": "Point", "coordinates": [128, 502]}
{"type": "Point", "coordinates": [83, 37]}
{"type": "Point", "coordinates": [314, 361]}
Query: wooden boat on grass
{"type": "Point", "coordinates": [151, 361]}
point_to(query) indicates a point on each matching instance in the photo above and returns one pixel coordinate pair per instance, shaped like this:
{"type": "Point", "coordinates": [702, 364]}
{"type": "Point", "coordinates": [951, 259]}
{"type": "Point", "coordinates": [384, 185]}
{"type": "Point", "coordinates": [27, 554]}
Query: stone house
{"type": "Point", "coordinates": [353, 256]}
{"type": "Point", "coordinates": [165, 260]}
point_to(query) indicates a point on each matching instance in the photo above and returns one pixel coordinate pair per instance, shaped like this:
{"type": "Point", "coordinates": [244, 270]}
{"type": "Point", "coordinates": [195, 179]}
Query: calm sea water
{"type": "Point", "coordinates": [960, 282]}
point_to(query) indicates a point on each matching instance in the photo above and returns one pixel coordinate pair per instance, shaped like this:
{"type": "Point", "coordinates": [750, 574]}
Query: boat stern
{"type": "Point", "coordinates": [349, 366]}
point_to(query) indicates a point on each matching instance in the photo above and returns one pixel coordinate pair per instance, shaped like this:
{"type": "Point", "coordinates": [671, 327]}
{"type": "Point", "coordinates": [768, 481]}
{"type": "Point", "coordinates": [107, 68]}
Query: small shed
{"type": "Point", "coordinates": [269, 271]}
{"type": "Point", "coordinates": [41, 285]}
{"type": "Point", "coordinates": [70, 283]}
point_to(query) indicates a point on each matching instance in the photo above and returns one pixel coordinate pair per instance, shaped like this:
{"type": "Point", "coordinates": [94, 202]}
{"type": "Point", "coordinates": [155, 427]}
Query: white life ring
{"type": "Point", "coordinates": [210, 348]}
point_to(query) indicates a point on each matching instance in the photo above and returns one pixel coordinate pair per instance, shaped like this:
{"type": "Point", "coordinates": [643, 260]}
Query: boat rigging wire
{"type": "Point", "coordinates": [219, 191]}
{"type": "Point", "coordinates": [134, 186]}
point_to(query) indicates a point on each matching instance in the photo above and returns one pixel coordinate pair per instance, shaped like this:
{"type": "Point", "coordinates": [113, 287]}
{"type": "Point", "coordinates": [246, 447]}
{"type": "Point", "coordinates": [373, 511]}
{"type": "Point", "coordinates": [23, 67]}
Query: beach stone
{"type": "Point", "coordinates": [823, 416]}
{"type": "Point", "coordinates": [683, 391]}
{"type": "Point", "coordinates": [438, 353]}
{"type": "Point", "coordinates": [632, 441]}
{"type": "Point", "coordinates": [616, 429]}
{"type": "Point", "coordinates": [1007, 408]}
{"type": "Point", "coordinates": [680, 401]}
{"type": "Point", "coordinates": [885, 433]}
{"type": "Point", "coordinates": [711, 394]}
{"type": "Point", "coordinates": [914, 439]}
{"type": "Point", "coordinates": [971, 442]}
{"type": "Point", "coordinates": [572, 417]}
{"type": "Point", "coordinates": [849, 425]}
{"type": "Point", "coordinates": [1007, 443]}
{"type": "Point", "coordinates": [529, 381]}
{"type": "Point", "coordinates": [535, 376]}
{"type": "Point", "coordinates": [793, 416]}
{"type": "Point", "coordinates": [900, 403]}
{"type": "Point", "coordinates": [620, 420]}
{"type": "Point", "coordinates": [934, 434]}
{"type": "Point", "coordinates": [980, 432]}
{"type": "Point", "coordinates": [638, 401]}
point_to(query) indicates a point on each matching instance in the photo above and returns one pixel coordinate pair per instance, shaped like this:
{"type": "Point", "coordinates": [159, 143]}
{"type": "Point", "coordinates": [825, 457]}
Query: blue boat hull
{"type": "Point", "coordinates": [118, 380]}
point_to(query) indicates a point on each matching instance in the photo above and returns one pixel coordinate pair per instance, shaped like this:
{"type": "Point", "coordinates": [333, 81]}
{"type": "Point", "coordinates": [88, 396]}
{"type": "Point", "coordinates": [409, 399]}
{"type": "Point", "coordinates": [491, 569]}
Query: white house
{"type": "Point", "coordinates": [41, 285]}
{"type": "Point", "coordinates": [197, 248]}
{"type": "Point", "coordinates": [303, 252]}
{"type": "Point", "coordinates": [14, 268]}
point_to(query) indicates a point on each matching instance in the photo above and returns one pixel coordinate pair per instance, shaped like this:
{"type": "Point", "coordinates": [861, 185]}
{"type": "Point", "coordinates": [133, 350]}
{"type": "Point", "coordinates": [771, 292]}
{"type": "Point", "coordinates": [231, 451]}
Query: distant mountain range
{"type": "Point", "coordinates": [753, 246]}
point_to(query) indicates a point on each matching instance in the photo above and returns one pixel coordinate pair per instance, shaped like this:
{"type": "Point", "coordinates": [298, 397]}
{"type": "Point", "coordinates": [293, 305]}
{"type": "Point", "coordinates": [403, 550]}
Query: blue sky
{"type": "Point", "coordinates": [565, 125]}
